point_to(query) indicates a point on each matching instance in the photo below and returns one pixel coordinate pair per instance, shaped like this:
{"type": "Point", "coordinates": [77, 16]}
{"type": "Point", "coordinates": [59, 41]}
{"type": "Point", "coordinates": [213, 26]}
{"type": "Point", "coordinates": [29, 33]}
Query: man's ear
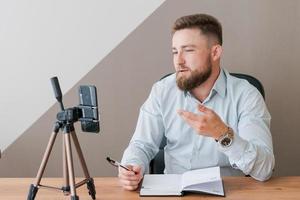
{"type": "Point", "coordinates": [216, 52]}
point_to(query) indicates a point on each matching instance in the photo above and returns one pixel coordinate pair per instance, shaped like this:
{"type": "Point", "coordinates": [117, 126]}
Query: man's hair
{"type": "Point", "coordinates": [208, 25]}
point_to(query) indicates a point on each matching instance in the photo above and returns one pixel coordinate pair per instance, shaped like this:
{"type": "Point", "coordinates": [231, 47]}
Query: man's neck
{"type": "Point", "coordinates": [202, 91]}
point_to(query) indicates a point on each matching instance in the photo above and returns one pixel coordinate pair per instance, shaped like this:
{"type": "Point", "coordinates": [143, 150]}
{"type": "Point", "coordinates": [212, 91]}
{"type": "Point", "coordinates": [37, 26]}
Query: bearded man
{"type": "Point", "coordinates": [209, 118]}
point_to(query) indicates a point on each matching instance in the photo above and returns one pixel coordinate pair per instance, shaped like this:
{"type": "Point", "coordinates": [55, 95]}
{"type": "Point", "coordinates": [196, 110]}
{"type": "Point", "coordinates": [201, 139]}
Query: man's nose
{"type": "Point", "coordinates": [180, 59]}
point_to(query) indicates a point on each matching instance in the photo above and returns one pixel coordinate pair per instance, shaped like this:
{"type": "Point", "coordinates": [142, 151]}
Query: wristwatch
{"type": "Point", "coordinates": [226, 139]}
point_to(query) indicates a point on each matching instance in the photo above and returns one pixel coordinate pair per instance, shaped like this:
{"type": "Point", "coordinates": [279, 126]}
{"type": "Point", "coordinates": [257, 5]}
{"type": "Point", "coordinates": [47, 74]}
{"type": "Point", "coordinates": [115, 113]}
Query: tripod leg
{"type": "Point", "coordinates": [32, 192]}
{"type": "Point", "coordinates": [34, 187]}
{"type": "Point", "coordinates": [91, 187]}
{"type": "Point", "coordinates": [90, 182]}
{"type": "Point", "coordinates": [70, 166]}
{"type": "Point", "coordinates": [80, 154]}
{"type": "Point", "coordinates": [66, 186]}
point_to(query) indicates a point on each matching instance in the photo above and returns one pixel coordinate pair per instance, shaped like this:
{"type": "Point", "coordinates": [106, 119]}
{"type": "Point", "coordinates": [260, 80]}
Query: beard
{"type": "Point", "coordinates": [195, 78]}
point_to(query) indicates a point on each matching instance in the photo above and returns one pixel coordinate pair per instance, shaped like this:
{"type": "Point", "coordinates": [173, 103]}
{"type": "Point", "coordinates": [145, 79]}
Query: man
{"type": "Point", "coordinates": [209, 117]}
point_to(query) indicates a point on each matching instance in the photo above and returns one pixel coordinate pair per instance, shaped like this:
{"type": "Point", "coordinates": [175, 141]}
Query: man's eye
{"type": "Point", "coordinates": [189, 50]}
{"type": "Point", "coordinates": [174, 52]}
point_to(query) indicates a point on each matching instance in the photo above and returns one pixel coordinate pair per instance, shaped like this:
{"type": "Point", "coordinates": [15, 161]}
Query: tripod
{"type": "Point", "coordinates": [68, 169]}
{"type": "Point", "coordinates": [65, 122]}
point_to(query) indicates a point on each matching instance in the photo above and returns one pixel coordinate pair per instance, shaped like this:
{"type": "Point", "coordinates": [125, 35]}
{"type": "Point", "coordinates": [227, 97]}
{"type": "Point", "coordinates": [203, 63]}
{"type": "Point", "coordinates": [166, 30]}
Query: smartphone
{"type": "Point", "coordinates": [88, 104]}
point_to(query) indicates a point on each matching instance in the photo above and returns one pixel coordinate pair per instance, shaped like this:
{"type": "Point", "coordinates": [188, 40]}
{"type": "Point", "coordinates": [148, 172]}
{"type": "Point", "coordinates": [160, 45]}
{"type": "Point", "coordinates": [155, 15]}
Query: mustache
{"type": "Point", "coordinates": [182, 68]}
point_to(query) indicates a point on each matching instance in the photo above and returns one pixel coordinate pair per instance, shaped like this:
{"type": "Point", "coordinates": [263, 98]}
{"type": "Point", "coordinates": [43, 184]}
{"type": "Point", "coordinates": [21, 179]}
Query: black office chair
{"type": "Point", "coordinates": [157, 165]}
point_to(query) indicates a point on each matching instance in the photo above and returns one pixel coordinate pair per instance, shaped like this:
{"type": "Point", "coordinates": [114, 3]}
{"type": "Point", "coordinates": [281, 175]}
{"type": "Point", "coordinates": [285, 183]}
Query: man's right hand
{"type": "Point", "coordinates": [130, 179]}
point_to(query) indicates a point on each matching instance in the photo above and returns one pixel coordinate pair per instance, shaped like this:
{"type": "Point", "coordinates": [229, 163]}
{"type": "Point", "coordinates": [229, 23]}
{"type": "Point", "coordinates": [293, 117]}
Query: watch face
{"type": "Point", "coordinates": [226, 141]}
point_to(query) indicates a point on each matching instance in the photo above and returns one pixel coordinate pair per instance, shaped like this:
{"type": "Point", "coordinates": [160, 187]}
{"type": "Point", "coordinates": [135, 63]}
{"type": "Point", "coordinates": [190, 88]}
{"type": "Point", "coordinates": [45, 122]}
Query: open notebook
{"type": "Point", "coordinates": [206, 180]}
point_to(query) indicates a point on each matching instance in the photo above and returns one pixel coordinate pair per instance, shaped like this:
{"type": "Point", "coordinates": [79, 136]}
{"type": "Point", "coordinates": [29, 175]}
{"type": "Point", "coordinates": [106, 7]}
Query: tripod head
{"type": "Point", "coordinates": [86, 112]}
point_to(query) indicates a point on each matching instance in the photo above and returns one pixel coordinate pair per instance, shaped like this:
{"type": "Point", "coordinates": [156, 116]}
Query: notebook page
{"type": "Point", "coordinates": [200, 176]}
{"type": "Point", "coordinates": [161, 184]}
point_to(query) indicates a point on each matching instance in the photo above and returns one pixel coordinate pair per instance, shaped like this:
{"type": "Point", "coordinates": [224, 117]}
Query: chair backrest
{"type": "Point", "coordinates": [157, 165]}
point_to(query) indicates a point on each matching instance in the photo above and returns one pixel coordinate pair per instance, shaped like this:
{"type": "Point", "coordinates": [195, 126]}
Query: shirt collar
{"type": "Point", "coordinates": [219, 86]}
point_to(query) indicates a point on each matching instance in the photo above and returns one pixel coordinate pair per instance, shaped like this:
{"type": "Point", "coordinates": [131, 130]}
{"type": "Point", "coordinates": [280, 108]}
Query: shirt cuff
{"type": "Point", "coordinates": [236, 150]}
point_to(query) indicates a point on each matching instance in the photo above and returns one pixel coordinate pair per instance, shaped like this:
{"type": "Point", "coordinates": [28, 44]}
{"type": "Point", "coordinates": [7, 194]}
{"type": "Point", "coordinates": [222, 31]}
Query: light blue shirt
{"type": "Point", "coordinates": [238, 103]}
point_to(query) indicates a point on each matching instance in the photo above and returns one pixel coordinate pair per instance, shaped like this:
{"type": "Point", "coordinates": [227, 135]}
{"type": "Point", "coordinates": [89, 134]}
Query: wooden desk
{"type": "Point", "coordinates": [238, 188]}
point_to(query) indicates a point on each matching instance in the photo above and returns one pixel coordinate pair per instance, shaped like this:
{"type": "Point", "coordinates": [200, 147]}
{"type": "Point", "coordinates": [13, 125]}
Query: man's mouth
{"type": "Point", "coordinates": [182, 70]}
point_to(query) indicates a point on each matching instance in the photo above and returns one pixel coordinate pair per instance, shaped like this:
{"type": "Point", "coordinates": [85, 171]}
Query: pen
{"type": "Point", "coordinates": [117, 164]}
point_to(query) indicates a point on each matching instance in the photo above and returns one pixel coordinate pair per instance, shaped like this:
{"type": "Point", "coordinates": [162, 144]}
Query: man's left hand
{"type": "Point", "coordinates": [207, 124]}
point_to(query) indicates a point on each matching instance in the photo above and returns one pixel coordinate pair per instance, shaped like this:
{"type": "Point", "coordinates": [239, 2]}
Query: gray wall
{"type": "Point", "coordinates": [66, 38]}
{"type": "Point", "coordinates": [261, 38]}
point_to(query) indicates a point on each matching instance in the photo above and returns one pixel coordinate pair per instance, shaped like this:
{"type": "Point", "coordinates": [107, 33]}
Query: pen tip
{"type": "Point", "coordinates": [108, 158]}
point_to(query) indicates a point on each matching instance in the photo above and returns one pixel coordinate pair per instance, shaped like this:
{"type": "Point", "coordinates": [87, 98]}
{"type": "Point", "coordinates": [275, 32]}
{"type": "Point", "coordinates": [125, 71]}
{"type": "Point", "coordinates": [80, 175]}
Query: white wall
{"type": "Point", "coordinates": [64, 38]}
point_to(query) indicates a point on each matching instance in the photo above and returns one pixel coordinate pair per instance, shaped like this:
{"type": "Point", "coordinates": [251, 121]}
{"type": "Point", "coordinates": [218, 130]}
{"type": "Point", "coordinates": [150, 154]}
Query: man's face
{"type": "Point", "coordinates": [191, 58]}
